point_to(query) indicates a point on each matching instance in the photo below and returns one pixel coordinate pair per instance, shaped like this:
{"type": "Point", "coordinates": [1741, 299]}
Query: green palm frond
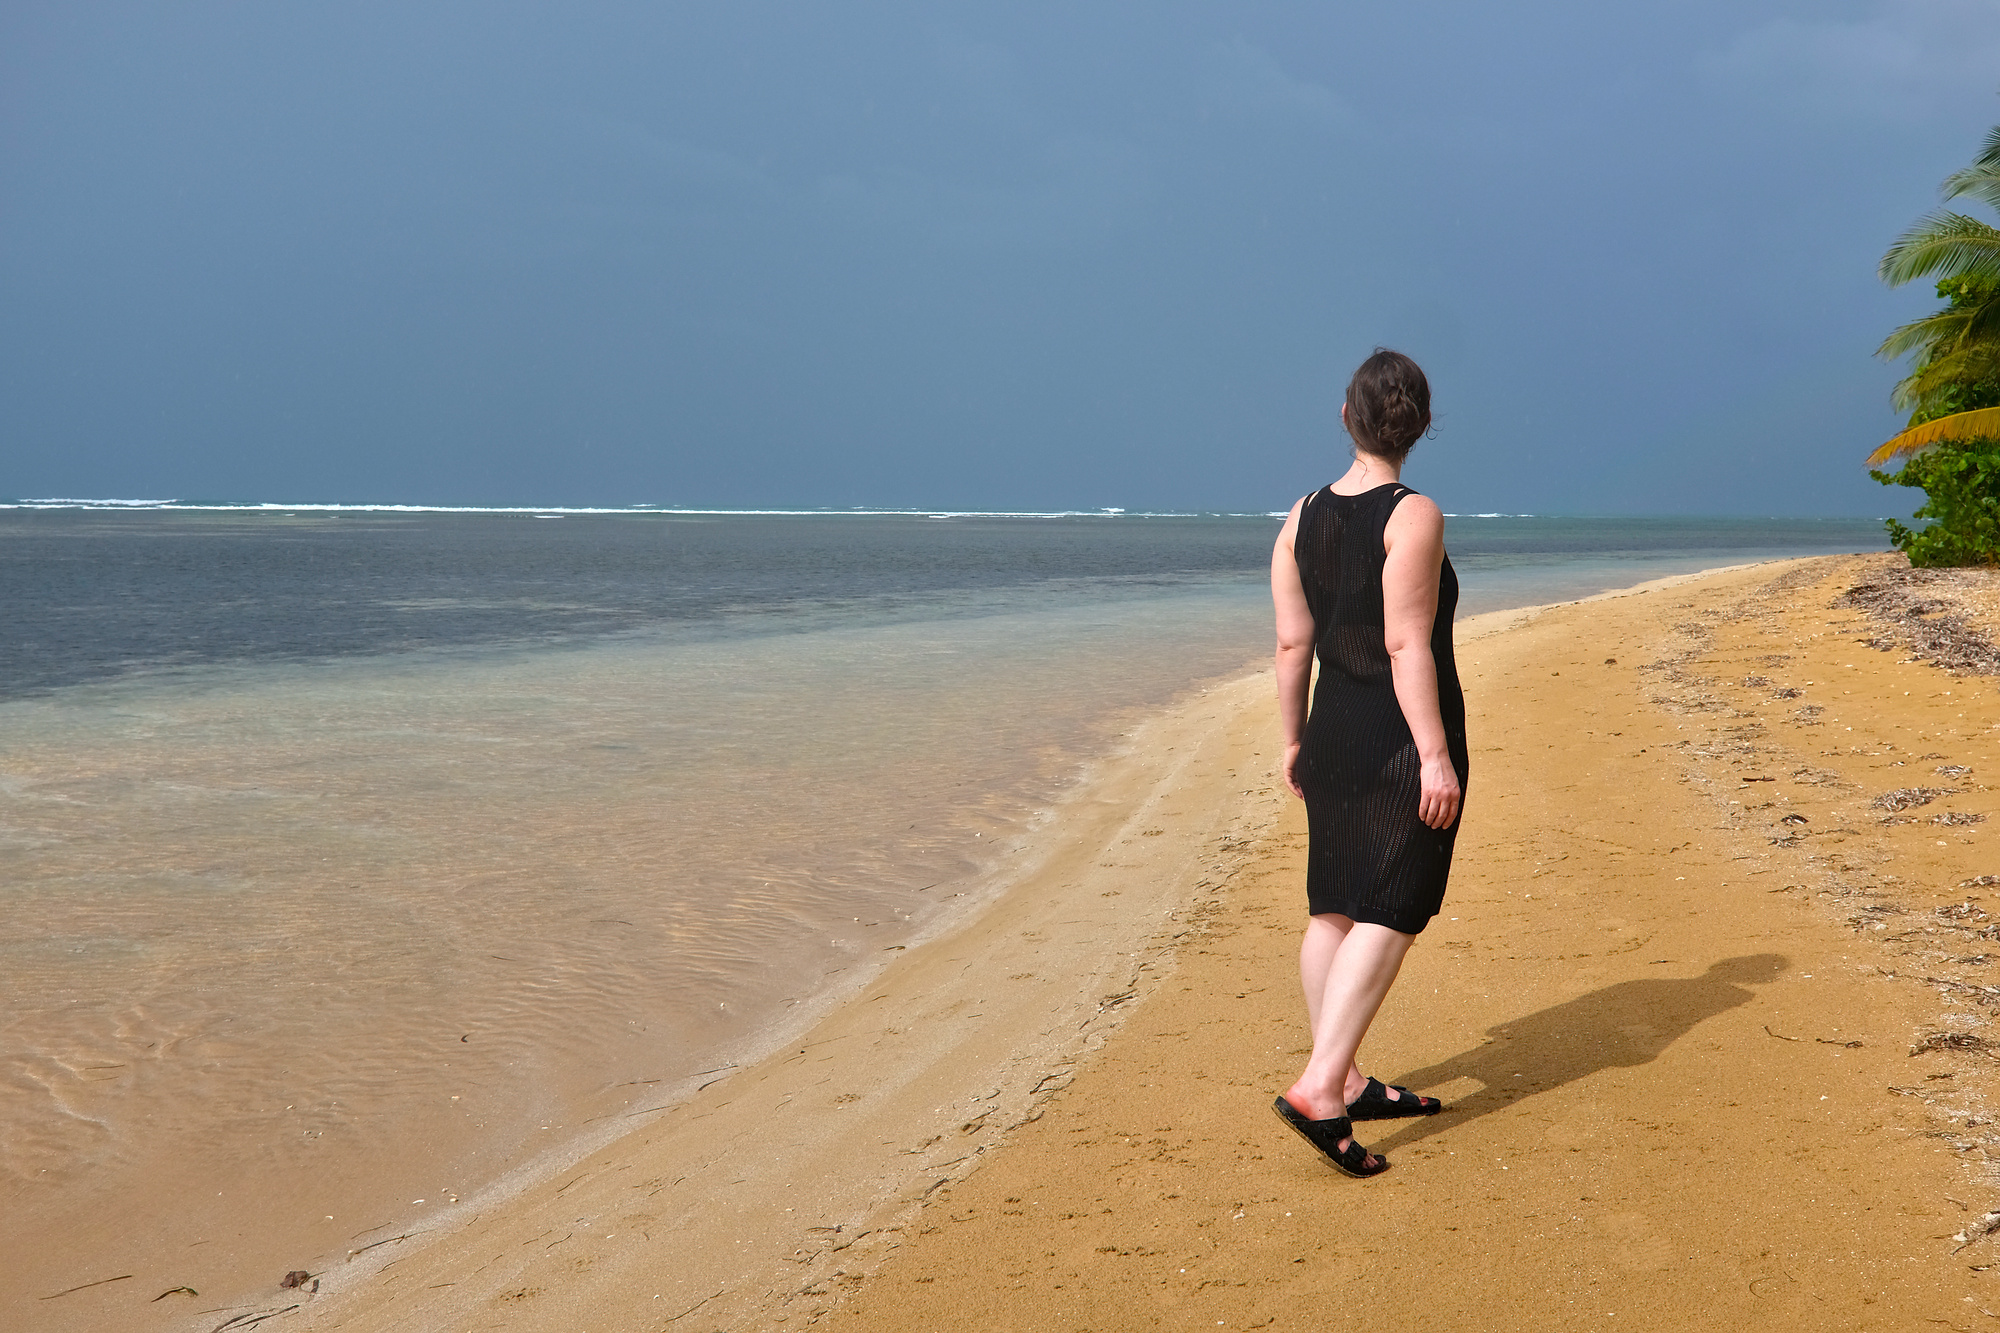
{"type": "Point", "coordinates": [1959, 426]}
{"type": "Point", "coordinates": [1926, 388]}
{"type": "Point", "coordinates": [1940, 330]}
{"type": "Point", "coordinates": [1982, 323]}
{"type": "Point", "coordinates": [1948, 243]}
{"type": "Point", "coordinates": [1981, 180]}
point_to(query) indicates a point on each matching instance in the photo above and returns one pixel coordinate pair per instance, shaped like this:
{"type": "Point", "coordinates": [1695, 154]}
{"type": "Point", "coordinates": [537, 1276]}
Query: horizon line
{"type": "Point", "coordinates": [854, 511]}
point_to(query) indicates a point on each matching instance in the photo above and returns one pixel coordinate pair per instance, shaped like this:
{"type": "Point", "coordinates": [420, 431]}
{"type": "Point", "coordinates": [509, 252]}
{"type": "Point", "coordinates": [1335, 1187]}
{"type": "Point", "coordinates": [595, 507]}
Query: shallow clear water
{"type": "Point", "coordinates": [288, 919]}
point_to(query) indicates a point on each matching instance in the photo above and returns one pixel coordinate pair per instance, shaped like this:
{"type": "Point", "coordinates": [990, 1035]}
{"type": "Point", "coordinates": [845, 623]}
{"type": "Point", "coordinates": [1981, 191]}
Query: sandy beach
{"type": "Point", "coordinates": [1672, 1006]}
{"type": "Point", "coordinates": [1710, 1005]}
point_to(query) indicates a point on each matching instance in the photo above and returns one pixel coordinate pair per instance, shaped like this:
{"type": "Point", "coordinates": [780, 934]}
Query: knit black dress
{"type": "Point", "coordinates": [1371, 859]}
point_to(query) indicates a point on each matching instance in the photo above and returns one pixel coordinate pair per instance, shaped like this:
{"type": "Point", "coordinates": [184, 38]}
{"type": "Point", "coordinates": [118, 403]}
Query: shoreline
{"type": "Point", "coordinates": [926, 1097]}
{"type": "Point", "coordinates": [145, 1114]}
{"type": "Point", "coordinates": [1175, 834]}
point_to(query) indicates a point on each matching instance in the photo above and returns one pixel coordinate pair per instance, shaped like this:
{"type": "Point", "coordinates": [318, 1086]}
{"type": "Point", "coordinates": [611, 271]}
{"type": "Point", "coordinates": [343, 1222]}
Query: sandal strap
{"type": "Point", "coordinates": [1378, 1091]}
{"type": "Point", "coordinates": [1405, 1095]}
{"type": "Point", "coordinates": [1354, 1157]}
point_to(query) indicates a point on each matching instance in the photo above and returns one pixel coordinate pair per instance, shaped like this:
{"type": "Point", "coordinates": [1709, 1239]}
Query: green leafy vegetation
{"type": "Point", "coordinates": [1961, 484]}
{"type": "Point", "coordinates": [1952, 393]}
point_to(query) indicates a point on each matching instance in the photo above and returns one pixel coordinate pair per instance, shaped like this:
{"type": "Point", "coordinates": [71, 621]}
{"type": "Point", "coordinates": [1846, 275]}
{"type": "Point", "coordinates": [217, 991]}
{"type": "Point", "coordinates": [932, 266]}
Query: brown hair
{"type": "Point", "coordinates": [1388, 405]}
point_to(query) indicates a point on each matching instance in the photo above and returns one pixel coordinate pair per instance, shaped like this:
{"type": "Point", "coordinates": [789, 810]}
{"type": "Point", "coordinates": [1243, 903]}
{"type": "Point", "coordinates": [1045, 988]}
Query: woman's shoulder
{"type": "Point", "coordinates": [1414, 515]}
{"type": "Point", "coordinates": [1409, 500]}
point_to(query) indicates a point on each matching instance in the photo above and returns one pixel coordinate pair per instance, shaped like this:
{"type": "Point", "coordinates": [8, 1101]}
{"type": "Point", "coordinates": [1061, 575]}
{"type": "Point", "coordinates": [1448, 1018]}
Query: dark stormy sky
{"type": "Point", "coordinates": [970, 256]}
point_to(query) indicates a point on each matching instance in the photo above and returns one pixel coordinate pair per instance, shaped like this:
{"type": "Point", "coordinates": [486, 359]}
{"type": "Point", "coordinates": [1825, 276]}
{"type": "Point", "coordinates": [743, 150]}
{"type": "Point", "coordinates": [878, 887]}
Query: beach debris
{"type": "Point", "coordinates": [1951, 1041]}
{"type": "Point", "coordinates": [1782, 1037]}
{"type": "Point", "coordinates": [1808, 716]}
{"type": "Point", "coordinates": [1871, 916]}
{"type": "Point", "coordinates": [1980, 882]}
{"type": "Point", "coordinates": [1755, 682]}
{"type": "Point", "coordinates": [1789, 692]}
{"type": "Point", "coordinates": [298, 1277]}
{"type": "Point", "coordinates": [84, 1286]}
{"type": "Point", "coordinates": [1042, 1084]}
{"type": "Point", "coordinates": [1113, 1001]}
{"type": "Point", "coordinates": [1984, 1227]}
{"type": "Point", "coordinates": [1905, 798]}
{"type": "Point", "coordinates": [1986, 995]}
{"type": "Point", "coordinates": [697, 1305]}
{"type": "Point", "coordinates": [1951, 770]}
{"type": "Point", "coordinates": [1795, 818]}
{"type": "Point", "coordinates": [1920, 607]}
{"type": "Point", "coordinates": [390, 1241]}
{"type": "Point", "coordinates": [1958, 818]}
{"type": "Point", "coordinates": [243, 1321]}
{"type": "Point", "coordinates": [1965, 911]}
{"type": "Point", "coordinates": [175, 1291]}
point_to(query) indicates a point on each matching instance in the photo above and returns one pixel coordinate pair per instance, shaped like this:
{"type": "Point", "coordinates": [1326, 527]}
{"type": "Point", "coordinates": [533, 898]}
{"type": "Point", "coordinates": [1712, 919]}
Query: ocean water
{"type": "Point", "coordinates": [344, 847]}
{"type": "Point", "coordinates": [91, 593]}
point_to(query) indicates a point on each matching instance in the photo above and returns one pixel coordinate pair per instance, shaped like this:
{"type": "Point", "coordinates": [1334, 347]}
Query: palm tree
{"type": "Point", "coordinates": [1949, 391]}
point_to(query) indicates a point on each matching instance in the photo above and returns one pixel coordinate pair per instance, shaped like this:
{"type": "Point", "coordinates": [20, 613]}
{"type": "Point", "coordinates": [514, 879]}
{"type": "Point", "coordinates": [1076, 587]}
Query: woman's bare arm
{"type": "Point", "coordinates": [1295, 646]}
{"type": "Point", "coordinates": [1414, 540]}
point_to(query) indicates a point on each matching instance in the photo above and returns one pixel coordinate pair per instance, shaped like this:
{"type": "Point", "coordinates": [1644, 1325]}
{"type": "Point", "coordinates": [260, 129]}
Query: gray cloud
{"type": "Point", "coordinates": [1905, 61]}
{"type": "Point", "coordinates": [1248, 78]}
{"type": "Point", "coordinates": [1059, 192]}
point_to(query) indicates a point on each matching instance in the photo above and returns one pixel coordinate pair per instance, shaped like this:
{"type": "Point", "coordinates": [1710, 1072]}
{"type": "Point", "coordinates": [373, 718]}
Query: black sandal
{"type": "Point", "coordinates": [1374, 1103]}
{"type": "Point", "coordinates": [1326, 1134]}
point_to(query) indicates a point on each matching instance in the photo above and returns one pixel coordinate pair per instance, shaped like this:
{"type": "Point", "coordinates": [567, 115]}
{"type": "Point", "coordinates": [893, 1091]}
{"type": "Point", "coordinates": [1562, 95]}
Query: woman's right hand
{"type": "Point", "coordinates": [1437, 804]}
{"type": "Point", "coordinates": [1285, 767]}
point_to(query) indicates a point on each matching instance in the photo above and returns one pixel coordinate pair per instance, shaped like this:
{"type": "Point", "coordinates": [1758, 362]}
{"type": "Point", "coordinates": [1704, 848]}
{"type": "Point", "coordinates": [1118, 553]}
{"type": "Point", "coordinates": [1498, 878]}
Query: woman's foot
{"type": "Point", "coordinates": [1334, 1138]}
{"type": "Point", "coordinates": [1383, 1101]}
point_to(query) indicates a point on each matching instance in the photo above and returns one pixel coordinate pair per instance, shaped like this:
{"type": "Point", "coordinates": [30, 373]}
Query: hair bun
{"type": "Point", "coordinates": [1388, 405]}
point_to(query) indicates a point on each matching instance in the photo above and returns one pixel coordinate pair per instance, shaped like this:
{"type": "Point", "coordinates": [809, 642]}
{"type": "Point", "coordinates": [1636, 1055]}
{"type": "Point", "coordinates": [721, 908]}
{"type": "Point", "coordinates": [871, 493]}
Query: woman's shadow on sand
{"type": "Point", "coordinates": [1622, 1025]}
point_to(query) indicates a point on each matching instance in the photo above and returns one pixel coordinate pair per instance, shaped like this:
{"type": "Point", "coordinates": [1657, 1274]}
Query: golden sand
{"type": "Point", "coordinates": [1672, 1005]}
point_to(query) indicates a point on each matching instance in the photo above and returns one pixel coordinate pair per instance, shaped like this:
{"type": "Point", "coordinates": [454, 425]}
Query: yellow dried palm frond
{"type": "Point", "coordinates": [1957, 426]}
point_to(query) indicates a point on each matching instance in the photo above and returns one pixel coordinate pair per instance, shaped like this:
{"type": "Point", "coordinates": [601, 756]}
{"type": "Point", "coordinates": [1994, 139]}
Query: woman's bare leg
{"type": "Point", "coordinates": [1352, 965]}
{"type": "Point", "coordinates": [1323, 938]}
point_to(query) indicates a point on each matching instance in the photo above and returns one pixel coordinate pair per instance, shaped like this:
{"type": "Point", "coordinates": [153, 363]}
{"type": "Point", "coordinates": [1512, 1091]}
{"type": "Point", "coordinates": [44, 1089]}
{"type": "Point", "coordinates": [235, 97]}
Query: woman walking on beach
{"type": "Point", "coordinates": [1360, 578]}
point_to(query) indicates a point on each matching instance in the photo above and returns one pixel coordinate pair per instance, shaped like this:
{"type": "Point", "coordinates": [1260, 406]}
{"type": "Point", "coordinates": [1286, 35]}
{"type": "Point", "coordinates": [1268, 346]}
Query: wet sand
{"type": "Point", "coordinates": [1703, 914]}
{"type": "Point", "coordinates": [301, 950]}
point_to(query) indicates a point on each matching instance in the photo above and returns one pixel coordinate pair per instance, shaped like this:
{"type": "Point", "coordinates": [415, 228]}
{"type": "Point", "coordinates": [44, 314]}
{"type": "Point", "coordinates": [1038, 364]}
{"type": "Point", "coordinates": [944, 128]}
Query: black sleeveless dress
{"type": "Point", "coordinates": [1371, 858]}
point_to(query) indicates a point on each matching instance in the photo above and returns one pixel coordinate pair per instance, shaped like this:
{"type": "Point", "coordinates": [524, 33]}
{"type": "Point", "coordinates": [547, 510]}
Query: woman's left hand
{"type": "Point", "coordinates": [1286, 767]}
{"type": "Point", "coordinates": [1438, 804]}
